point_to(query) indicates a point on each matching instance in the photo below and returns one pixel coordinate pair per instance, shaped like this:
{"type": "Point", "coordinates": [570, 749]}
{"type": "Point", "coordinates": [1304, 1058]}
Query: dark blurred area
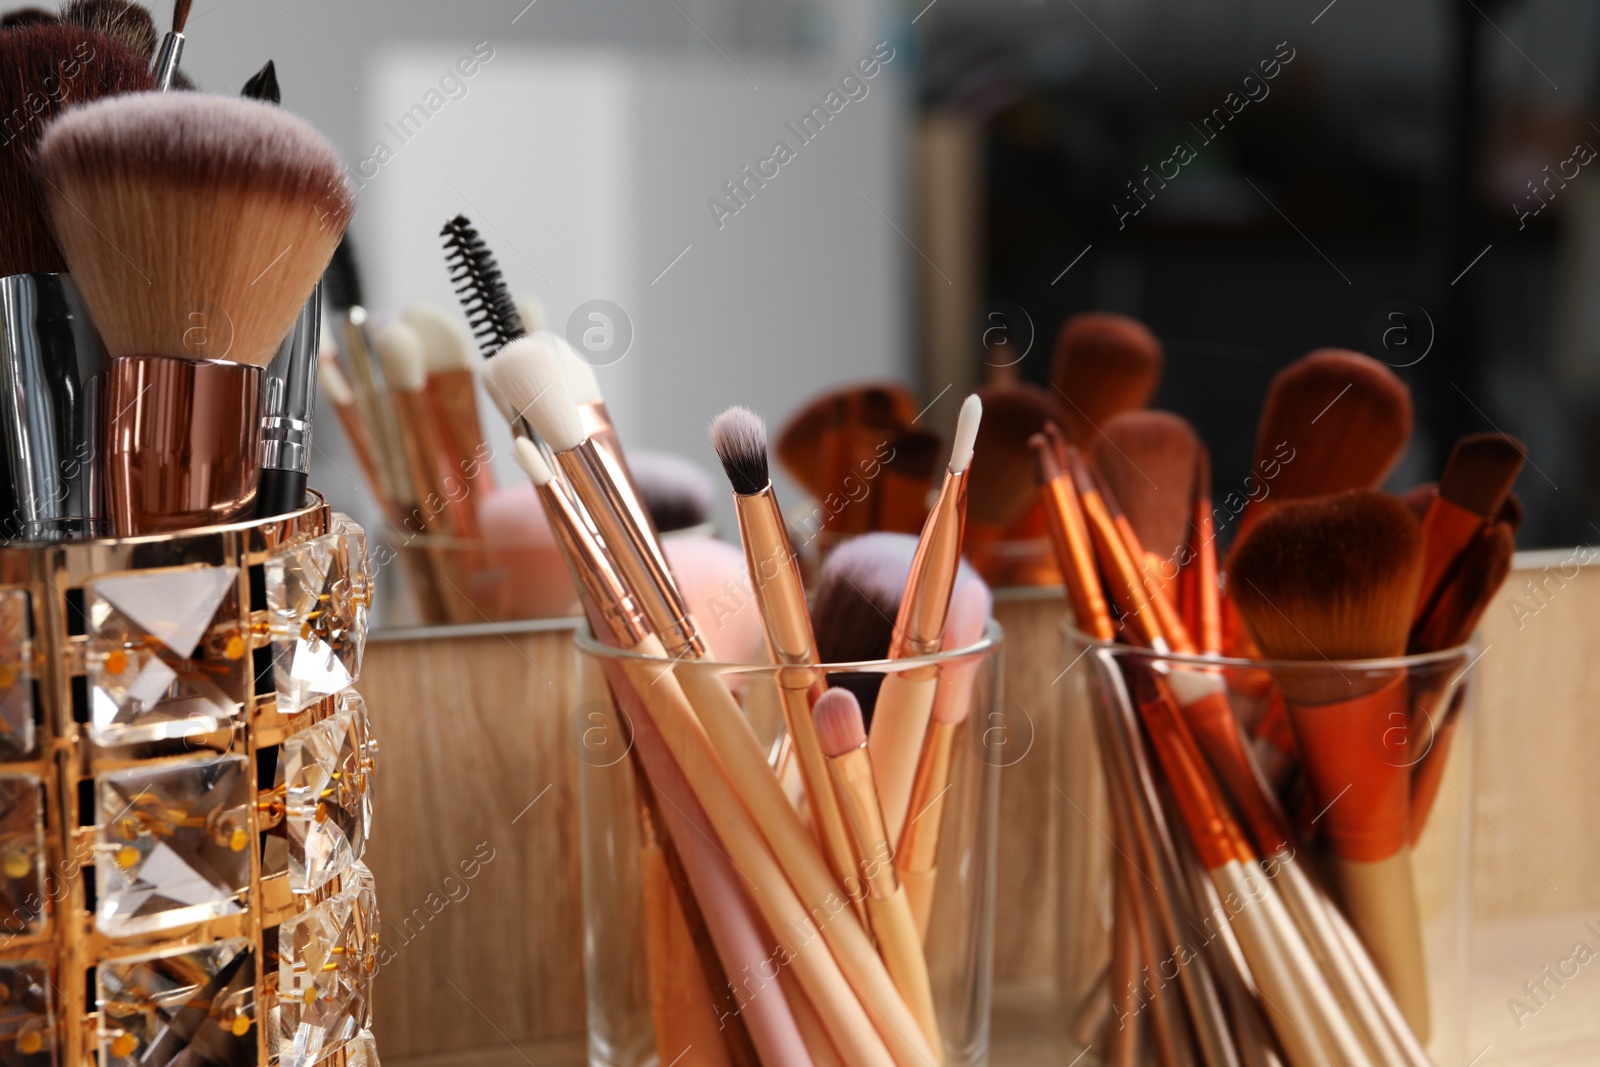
{"type": "Point", "coordinates": [1402, 180]}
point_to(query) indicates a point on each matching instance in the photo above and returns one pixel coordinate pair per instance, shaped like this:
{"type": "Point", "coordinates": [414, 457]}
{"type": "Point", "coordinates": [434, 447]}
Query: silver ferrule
{"type": "Point", "coordinates": [289, 393]}
{"type": "Point", "coordinates": [52, 367]}
{"type": "Point", "coordinates": [167, 60]}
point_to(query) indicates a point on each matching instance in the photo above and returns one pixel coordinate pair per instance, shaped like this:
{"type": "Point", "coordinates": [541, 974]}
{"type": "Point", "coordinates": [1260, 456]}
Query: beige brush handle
{"type": "Point", "coordinates": [1309, 910]}
{"type": "Point", "coordinates": [1381, 898]}
{"type": "Point", "coordinates": [680, 999]}
{"type": "Point", "coordinates": [815, 1038]}
{"type": "Point", "coordinates": [837, 1006]}
{"type": "Point", "coordinates": [823, 801]}
{"type": "Point", "coordinates": [899, 722]}
{"type": "Point", "coordinates": [1416, 1055]}
{"type": "Point", "coordinates": [919, 894]}
{"type": "Point", "coordinates": [901, 948]}
{"type": "Point", "coordinates": [758, 791]}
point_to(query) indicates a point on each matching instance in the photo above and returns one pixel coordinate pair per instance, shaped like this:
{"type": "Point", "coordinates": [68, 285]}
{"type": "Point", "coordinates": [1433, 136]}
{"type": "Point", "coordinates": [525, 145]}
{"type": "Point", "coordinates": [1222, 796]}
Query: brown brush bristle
{"type": "Point", "coordinates": [1510, 512]}
{"type": "Point", "coordinates": [45, 69]}
{"type": "Point", "coordinates": [180, 14]}
{"type": "Point", "coordinates": [195, 225]}
{"type": "Point", "coordinates": [127, 23]}
{"type": "Point", "coordinates": [858, 596]}
{"type": "Point", "coordinates": [1420, 498]}
{"type": "Point", "coordinates": [1104, 365]}
{"type": "Point", "coordinates": [26, 16]}
{"type": "Point", "coordinates": [1481, 470]}
{"type": "Point", "coordinates": [840, 729]}
{"type": "Point", "coordinates": [1000, 487]}
{"type": "Point", "coordinates": [810, 445]}
{"type": "Point", "coordinates": [1148, 460]}
{"type": "Point", "coordinates": [1343, 417]}
{"type": "Point", "coordinates": [1330, 579]}
{"type": "Point", "coordinates": [1478, 574]}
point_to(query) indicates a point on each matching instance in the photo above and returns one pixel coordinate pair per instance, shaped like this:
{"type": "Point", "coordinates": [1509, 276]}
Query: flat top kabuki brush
{"type": "Point", "coordinates": [195, 227]}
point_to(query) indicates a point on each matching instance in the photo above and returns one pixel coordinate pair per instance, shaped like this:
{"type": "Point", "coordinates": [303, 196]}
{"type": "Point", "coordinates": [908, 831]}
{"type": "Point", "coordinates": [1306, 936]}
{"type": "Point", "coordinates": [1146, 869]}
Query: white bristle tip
{"type": "Point", "coordinates": [526, 379]}
{"type": "Point", "coordinates": [580, 375]}
{"type": "Point", "coordinates": [400, 352]}
{"type": "Point", "coordinates": [446, 344]}
{"type": "Point", "coordinates": [966, 433]}
{"type": "Point", "coordinates": [531, 460]}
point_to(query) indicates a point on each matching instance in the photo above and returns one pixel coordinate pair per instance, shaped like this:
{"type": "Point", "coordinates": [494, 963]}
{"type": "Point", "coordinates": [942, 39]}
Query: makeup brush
{"type": "Point", "coordinates": [343, 398]}
{"type": "Point", "coordinates": [1149, 461]}
{"type": "Point", "coordinates": [720, 595]}
{"type": "Point", "coordinates": [837, 440]}
{"type": "Point", "coordinates": [347, 308]}
{"type": "Point", "coordinates": [844, 741]}
{"type": "Point", "coordinates": [678, 494]}
{"type": "Point", "coordinates": [166, 67]}
{"type": "Point", "coordinates": [905, 700]}
{"type": "Point", "coordinates": [195, 226]}
{"type": "Point", "coordinates": [740, 439]}
{"type": "Point", "coordinates": [451, 387]}
{"type": "Point", "coordinates": [1332, 421]}
{"type": "Point", "coordinates": [124, 22]}
{"type": "Point", "coordinates": [1069, 534]}
{"type": "Point", "coordinates": [1198, 578]}
{"type": "Point", "coordinates": [481, 287]}
{"type": "Point", "coordinates": [1001, 490]}
{"type": "Point", "coordinates": [263, 84]}
{"type": "Point", "coordinates": [1104, 364]}
{"type": "Point", "coordinates": [858, 596]}
{"type": "Point", "coordinates": [1477, 479]}
{"type": "Point", "coordinates": [1336, 579]}
{"type": "Point", "coordinates": [916, 856]}
{"type": "Point", "coordinates": [441, 490]}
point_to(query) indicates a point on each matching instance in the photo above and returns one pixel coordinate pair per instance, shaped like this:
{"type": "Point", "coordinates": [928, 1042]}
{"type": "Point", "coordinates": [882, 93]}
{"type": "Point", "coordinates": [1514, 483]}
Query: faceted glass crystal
{"type": "Point", "coordinates": [189, 1007]}
{"type": "Point", "coordinates": [327, 957]}
{"type": "Point", "coordinates": [327, 772]}
{"type": "Point", "coordinates": [157, 669]}
{"type": "Point", "coordinates": [16, 674]}
{"type": "Point", "coordinates": [362, 1051]}
{"type": "Point", "coordinates": [22, 890]}
{"type": "Point", "coordinates": [171, 844]}
{"type": "Point", "coordinates": [27, 1023]}
{"type": "Point", "coordinates": [317, 595]}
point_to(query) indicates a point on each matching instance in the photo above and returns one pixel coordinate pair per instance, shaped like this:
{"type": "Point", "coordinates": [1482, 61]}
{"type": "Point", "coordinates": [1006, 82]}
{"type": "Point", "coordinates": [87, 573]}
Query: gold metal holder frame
{"type": "Point", "coordinates": [185, 792]}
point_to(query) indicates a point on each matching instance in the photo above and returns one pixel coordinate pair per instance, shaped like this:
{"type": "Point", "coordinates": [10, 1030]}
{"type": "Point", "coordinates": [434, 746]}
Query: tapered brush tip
{"type": "Point", "coordinates": [1331, 578]}
{"type": "Point", "coordinates": [526, 381]}
{"type": "Point", "coordinates": [740, 438]}
{"type": "Point", "coordinates": [180, 14]}
{"type": "Point", "coordinates": [1481, 470]}
{"type": "Point", "coordinates": [966, 433]}
{"type": "Point", "coordinates": [531, 460]}
{"type": "Point", "coordinates": [263, 85]}
{"type": "Point", "coordinates": [840, 730]}
{"type": "Point", "coordinates": [446, 345]}
{"type": "Point", "coordinates": [400, 353]}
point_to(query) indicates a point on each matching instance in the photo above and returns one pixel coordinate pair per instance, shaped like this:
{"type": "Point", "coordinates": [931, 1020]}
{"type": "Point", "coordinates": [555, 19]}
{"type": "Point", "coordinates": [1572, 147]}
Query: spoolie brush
{"type": "Point", "coordinates": [166, 67]}
{"type": "Point", "coordinates": [1336, 580]}
{"type": "Point", "coordinates": [490, 310]}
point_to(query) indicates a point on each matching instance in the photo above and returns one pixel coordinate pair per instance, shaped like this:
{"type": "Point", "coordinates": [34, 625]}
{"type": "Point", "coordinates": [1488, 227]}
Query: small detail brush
{"type": "Point", "coordinates": [263, 85]}
{"type": "Point", "coordinates": [452, 391]}
{"type": "Point", "coordinates": [171, 56]}
{"type": "Point", "coordinates": [1477, 479]}
{"type": "Point", "coordinates": [844, 741]}
{"type": "Point", "coordinates": [441, 492]}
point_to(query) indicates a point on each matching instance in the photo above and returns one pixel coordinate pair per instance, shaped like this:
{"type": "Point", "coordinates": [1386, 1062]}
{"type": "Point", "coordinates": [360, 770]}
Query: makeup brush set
{"type": "Point", "coordinates": [1273, 727]}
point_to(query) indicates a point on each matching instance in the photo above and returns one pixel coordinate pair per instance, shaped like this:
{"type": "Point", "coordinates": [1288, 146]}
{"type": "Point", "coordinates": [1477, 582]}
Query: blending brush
{"type": "Point", "coordinates": [905, 700]}
{"type": "Point", "coordinates": [196, 226]}
{"type": "Point", "coordinates": [740, 439]}
{"type": "Point", "coordinates": [844, 740]}
{"type": "Point", "coordinates": [129, 24]}
{"type": "Point", "coordinates": [166, 68]}
{"type": "Point", "coordinates": [1331, 580]}
{"type": "Point", "coordinates": [1104, 364]}
{"type": "Point", "coordinates": [1476, 480]}
{"type": "Point", "coordinates": [857, 598]}
{"type": "Point", "coordinates": [451, 387]}
{"type": "Point", "coordinates": [695, 709]}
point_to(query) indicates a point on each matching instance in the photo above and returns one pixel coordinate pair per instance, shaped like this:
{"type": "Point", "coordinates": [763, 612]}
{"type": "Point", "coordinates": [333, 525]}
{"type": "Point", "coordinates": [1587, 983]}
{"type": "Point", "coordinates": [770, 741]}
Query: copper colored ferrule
{"type": "Point", "coordinates": [775, 573]}
{"type": "Point", "coordinates": [636, 555]}
{"type": "Point", "coordinates": [598, 428]}
{"type": "Point", "coordinates": [919, 626]}
{"type": "Point", "coordinates": [595, 572]}
{"type": "Point", "coordinates": [182, 439]}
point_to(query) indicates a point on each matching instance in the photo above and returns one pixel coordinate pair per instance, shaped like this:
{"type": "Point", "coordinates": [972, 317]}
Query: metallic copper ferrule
{"type": "Point", "coordinates": [1071, 534]}
{"type": "Point", "coordinates": [182, 442]}
{"type": "Point", "coordinates": [919, 839]}
{"type": "Point", "coordinates": [919, 626]}
{"type": "Point", "coordinates": [593, 568]}
{"type": "Point", "coordinates": [858, 796]}
{"type": "Point", "coordinates": [598, 428]}
{"type": "Point", "coordinates": [780, 593]}
{"type": "Point", "coordinates": [637, 557]}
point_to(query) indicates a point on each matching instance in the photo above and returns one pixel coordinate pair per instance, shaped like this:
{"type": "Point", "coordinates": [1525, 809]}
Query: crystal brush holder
{"type": "Point", "coordinates": [185, 796]}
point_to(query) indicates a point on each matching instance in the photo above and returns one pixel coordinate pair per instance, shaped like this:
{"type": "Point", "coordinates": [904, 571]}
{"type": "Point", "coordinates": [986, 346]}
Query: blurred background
{"type": "Point", "coordinates": [1411, 180]}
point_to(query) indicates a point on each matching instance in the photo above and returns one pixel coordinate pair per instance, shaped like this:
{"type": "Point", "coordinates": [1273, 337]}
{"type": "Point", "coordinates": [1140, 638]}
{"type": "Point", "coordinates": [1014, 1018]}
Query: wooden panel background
{"type": "Point", "coordinates": [474, 727]}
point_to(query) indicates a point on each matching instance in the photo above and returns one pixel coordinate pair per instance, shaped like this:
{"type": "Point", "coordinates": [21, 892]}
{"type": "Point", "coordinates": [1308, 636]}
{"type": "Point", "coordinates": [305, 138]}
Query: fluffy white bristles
{"type": "Point", "coordinates": [333, 380]}
{"type": "Point", "coordinates": [966, 433]}
{"type": "Point", "coordinates": [446, 344]}
{"type": "Point", "coordinates": [526, 380]}
{"type": "Point", "coordinates": [400, 352]}
{"type": "Point", "coordinates": [531, 460]}
{"type": "Point", "coordinates": [580, 375]}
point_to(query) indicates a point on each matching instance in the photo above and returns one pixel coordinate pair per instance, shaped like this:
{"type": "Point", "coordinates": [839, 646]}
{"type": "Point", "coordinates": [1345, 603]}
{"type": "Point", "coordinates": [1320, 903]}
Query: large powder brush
{"type": "Point", "coordinates": [195, 226]}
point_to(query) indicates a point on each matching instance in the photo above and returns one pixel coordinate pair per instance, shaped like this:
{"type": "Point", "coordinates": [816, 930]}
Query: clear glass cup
{"type": "Point", "coordinates": [622, 868]}
{"type": "Point", "coordinates": [1416, 722]}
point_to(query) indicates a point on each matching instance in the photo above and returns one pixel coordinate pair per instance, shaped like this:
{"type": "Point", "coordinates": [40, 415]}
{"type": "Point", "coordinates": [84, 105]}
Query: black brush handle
{"type": "Point", "coordinates": [280, 492]}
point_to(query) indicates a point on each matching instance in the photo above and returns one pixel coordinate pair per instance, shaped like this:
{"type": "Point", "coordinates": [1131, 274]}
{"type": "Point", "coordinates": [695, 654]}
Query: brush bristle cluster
{"type": "Point", "coordinates": [675, 492]}
{"type": "Point", "coordinates": [531, 460]}
{"type": "Point", "coordinates": [967, 424]}
{"type": "Point", "coordinates": [446, 344]}
{"type": "Point", "coordinates": [195, 226]}
{"type": "Point", "coordinates": [180, 14]}
{"type": "Point", "coordinates": [476, 275]}
{"type": "Point", "coordinates": [263, 85]}
{"type": "Point", "coordinates": [1149, 460]}
{"type": "Point", "coordinates": [1104, 364]}
{"type": "Point", "coordinates": [840, 730]}
{"type": "Point", "coordinates": [999, 479]}
{"type": "Point", "coordinates": [740, 438]}
{"type": "Point", "coordinates": [45, 69]}
{"type": "Point", "coordinates": [1334, 578]}
{"type": "Point", "coordinates": [127, 23]}
{"type": "Point", "coordinates": [526, 381]}
{"type": "Point", "coordinates": [858, 596]}
{"type": "Point", "coordinates": [1481, 470]}
{"type": "Point", "coordinates": [400, 352]}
